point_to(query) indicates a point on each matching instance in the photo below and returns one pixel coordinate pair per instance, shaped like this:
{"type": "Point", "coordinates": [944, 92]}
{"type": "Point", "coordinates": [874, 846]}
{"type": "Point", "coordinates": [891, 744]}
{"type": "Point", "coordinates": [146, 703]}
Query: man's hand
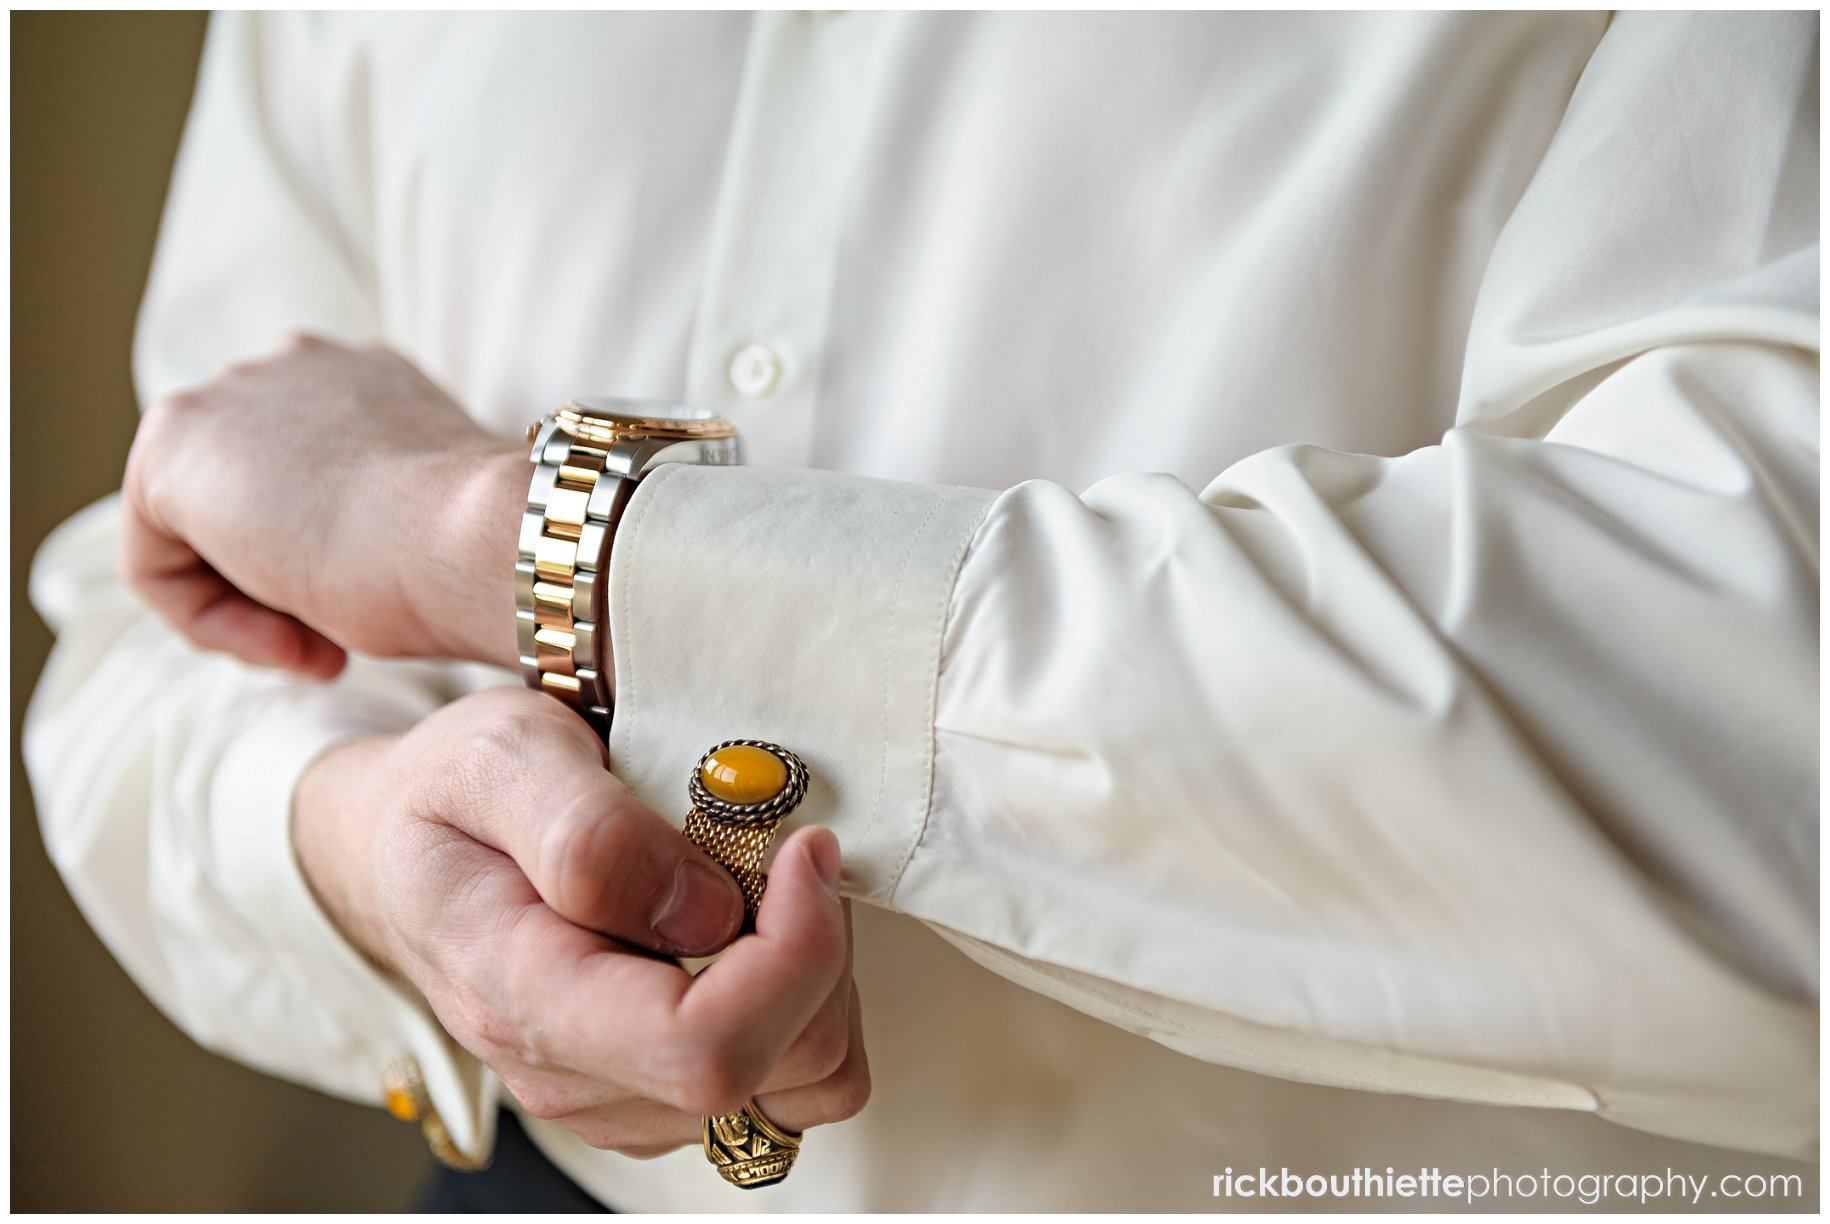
{"type": "Point", "coordinates": [489, 857]}
{"type": "Point", "coordinates": [325, 499]}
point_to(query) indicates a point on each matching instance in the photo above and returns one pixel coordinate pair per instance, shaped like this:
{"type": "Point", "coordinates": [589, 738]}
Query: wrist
{"type": "Point", "coordinates": [333, 838]}
{"type": "Point", "coordinates": [461, 588]}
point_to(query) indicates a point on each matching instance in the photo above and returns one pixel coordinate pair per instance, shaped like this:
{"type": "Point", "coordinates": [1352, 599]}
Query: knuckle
{"type": "Point", "coordinates": [489, 753]}
{"type": "Point", "coordinates": [155, 461]}
{"type": "Point", "coordinates": [247, 367]}
{"type": "Point", "coordinates": [819, 1052]}
{"type": "Point", "coordinates": [174, 404]}
{"type": "Point", "coordinates": [505, 736]}
{"type": "Point", "coordinates": [837, 1098]}
{"type": "Point", "coordinates": [510, 728]}
{"type": "Point", "coordinates": [590, 855]}
{"type": "Point", "coordinates": [569, 846]}
{"type": "Point", "coordinates": [136, 480]}
{"type": "Point", "coordinates": [847, 1093]}
{"type": "Point", "coordinates": [714, 1082]}
{"type": "Point", "coordinates": [298, 340]}
{"type": "Point", "coordinates": [189, 629]}
{"type": "Point", "coordinates": [485, 749]}
{"type": "Point", "coordinates": [154, 436]}
{"type": "Point", "coordinates": [828, 1045]}
{"type": "Point", "coordinates": [713, 1096]}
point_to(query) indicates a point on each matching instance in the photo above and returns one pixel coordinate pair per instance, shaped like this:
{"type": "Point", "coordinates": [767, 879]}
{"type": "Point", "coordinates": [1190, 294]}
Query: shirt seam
{"type": "Point", "coordinates": [931, 699]}
{"type": "Point", "coordinates": [889, 652]}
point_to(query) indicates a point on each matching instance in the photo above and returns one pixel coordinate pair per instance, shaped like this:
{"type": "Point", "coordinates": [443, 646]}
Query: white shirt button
{"type": "Point", "coordinates": [755, 370]}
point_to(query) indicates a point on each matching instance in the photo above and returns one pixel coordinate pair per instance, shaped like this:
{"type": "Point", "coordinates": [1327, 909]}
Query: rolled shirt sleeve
{"type": "Point", "coordinates": [1487, 771]}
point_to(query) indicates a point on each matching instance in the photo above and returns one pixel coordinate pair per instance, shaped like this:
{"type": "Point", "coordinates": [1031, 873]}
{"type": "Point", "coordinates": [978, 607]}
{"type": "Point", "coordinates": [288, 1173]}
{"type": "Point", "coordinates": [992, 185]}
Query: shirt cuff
{"type": "Point", "coordinates": [251, 799]}
{"type": "Point", "coordinates": [799, 607]}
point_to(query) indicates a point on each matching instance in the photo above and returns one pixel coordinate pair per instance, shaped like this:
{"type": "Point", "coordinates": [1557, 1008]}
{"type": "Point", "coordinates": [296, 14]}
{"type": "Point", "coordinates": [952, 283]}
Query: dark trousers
{"type": "Point", "coordinates": [520, 1178]}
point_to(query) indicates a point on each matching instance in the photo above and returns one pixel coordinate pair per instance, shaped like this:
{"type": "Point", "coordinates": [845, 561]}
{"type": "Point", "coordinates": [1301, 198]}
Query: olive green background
{"type": "Point", "coordinates": [113, 1108]}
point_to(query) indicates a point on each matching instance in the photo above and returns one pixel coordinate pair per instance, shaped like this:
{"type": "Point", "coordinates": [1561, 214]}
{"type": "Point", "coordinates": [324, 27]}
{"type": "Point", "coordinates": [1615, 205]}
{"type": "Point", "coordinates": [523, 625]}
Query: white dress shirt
{"type": "Point", "coordinates": [1288, 543]}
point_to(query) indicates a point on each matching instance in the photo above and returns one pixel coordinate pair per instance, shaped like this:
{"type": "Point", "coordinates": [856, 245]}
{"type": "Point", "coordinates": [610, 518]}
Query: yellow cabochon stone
{"type": "Point", "coordinates": [742, 774]}
{"type": "Point", "coordinates": [402, 1105]}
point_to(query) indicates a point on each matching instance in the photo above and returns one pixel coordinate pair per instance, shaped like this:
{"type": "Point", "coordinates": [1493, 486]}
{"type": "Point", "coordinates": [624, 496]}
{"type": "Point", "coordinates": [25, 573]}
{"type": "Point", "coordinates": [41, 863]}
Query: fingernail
{"type": "Point", "coordinates": [824, 851]}
{"type": "Point", "coordinates": [700, 911]}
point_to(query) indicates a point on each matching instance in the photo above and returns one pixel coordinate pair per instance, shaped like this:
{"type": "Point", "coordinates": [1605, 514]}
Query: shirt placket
{"type": "Point", "coordinates": [762, 328]}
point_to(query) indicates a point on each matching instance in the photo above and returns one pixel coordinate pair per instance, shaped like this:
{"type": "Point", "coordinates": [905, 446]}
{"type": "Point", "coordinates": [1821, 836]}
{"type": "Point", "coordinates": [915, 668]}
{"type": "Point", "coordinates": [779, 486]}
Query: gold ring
{"type": "Point", "coordinates": [748, 1150]}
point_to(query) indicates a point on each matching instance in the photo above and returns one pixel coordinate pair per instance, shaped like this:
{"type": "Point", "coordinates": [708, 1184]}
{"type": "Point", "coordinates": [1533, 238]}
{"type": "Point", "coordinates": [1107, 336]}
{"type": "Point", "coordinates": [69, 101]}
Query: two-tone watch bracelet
{"type": "Point", "coordinates": [559, 589]}
{"type": "Point", "coordinates": [588, 457]}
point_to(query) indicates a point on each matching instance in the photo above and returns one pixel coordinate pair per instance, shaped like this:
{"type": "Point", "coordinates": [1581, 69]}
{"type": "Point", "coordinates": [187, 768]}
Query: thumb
{"type": "Point", "coordinates": [611, 863]}
{"type": "Point", "coordinates": [597, 855]}
{"type": "Point", "coordinates": [761, 994]}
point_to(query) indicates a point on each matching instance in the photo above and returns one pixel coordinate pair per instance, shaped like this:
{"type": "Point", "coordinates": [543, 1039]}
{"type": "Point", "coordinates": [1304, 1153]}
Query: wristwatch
{"type": "Point", "coordinates": [588, 458]}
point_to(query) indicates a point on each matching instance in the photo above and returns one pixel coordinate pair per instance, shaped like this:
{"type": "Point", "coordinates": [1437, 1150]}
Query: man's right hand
{"type": "Point", "coordinates": [489, 857]}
